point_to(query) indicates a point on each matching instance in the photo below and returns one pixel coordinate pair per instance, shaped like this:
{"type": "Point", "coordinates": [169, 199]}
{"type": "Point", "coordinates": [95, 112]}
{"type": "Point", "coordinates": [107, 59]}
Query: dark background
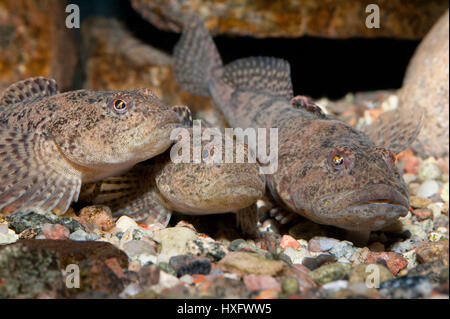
{"type": "Point", "coordinates": [320, 67]}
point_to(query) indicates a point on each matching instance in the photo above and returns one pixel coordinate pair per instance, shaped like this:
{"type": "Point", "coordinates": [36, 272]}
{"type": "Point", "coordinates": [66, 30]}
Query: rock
{"type": "Point", "coordinates": [36, 270]}
{"type": "Point", "coordinates": [419, 202]}
{"type": "Point", "coordinates": [262, 282]}
{"type": "Point", "coordinates": [422, 214]}
{"type": "Point", "coordinates": [406, 287]}
{"type": "Point", "coordinates": [187, 264]}
{"type": "Point", "coordinates": [206, 247]}
{"type": "Point", "coordinates": [174, 241]}
{"type": "Point", "coordinates": [393, 261]}
{"type": "Point", "coordinates": [20, 223]}
{"type": "Point", "coordinates": [426, 87]}
{"type": "Point", "coordinates": [429, 170]}
{"type": "Point", "coordinates": [289, 241]}
{"type": "Point", "coordinates": [290, 285]}
{"type": "Point", "coordinates": [362, 271]}
{"type": "Point", "coordinates": [250, 263]}
{"type": "Point", "coordinates": [148, 276]}
{"type": "Point", "coordinates": [124, 223]}
{"type": "Point", "coordinates": [98, 215]}
{"type": "Point", "coordinates": [55, 231]}
{"type": "Point", "coordinates": [343, 249]}
{"type": "Point", "coordinates": [336, 285]}
{"type": "Point", "coordinates": [297, 256]}
{"type": "Point", "coordinates": [134, 248]}
{"type": "Point", "coordinates": [315, 262]}
{"type": "Point", "coordinates": [8, 236]}
{"type": "Point", "coordinates": [433, 251]}
{"type": "Point", "coordinates": [330, 272]}
{"type": "Point", "coordinates": [319, 243]}
{"type": "Point", "coordinates": [428, 189]}
{"type": "Point", "coordinates": [444, 192]}
{"type": "Point", "coordinates": [34, 41]}
{"type": "Point", "coordinates": [409, 178]}
{"type": "Point", "coordinates": [293, 18]}
{"type": "Point", "coordinates": [219, 286]}
{"type": "Point", "coordinates": [81, 235]}
{"type": "Point", "coordinates": [435, 271]}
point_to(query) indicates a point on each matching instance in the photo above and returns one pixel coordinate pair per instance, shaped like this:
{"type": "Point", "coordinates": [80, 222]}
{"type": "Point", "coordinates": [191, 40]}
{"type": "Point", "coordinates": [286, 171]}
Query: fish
{"type": "Point", "coordinates": [52, 142]}
{"type": "Point", "coordinates": [328, 171]}
{"type": "Point", "coordinates": [151, 191]}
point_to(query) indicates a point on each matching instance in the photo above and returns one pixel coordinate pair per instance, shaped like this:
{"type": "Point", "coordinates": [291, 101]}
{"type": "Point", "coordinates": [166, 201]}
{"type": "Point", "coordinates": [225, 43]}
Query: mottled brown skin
{"type": "Point", "coordinates": [152, 190]}
{"type": "Point", "coordinates": [78, 137]}
{"type": "Point", "coordinates": [364, 192]}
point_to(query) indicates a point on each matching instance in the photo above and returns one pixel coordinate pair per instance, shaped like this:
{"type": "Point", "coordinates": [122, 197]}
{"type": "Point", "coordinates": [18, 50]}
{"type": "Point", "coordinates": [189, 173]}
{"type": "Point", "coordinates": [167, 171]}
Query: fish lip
{"type": "Point", "coordinates": [377, 195]}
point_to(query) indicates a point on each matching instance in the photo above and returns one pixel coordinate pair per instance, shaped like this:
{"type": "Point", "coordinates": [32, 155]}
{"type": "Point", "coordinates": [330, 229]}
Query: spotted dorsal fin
{"type": "Point", "coordinates": [184, 113]}
{"type": "Point", "coordinates": [260, 73]}
{"type": "Point", "coordinates": [27, 90]}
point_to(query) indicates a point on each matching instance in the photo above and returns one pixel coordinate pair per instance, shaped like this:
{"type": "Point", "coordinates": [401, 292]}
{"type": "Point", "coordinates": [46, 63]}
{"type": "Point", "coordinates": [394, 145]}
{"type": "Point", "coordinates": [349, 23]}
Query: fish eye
{"type": "Point", "coordinates": [341, 158]}
{"type": "Point", "coordinates": [120, 106]}
{"type": "Point", "coordinates": [338, 160]}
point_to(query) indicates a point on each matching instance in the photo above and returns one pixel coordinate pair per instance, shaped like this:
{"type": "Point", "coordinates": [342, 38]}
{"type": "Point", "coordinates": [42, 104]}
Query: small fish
{"type": "Point", "coordinates": [51, 142]}
{"type": "Point", "coordinates": [327, 171]}
{"type": "Point", "coordinates": [152, 190]}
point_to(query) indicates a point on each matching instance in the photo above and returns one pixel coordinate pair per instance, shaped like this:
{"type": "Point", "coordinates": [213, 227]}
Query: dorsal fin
{"type": "Point", "coordinates": [184, 113]}
{"type": "Point", "coordinates": [260, 73]}
{"type": "Point", "coordinates": [307, 104]}
{"type": "Point", "coordinates": [27, 90]}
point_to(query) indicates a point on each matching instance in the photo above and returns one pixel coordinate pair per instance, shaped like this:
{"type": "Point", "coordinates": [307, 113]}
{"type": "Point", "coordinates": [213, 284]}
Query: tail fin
{"type": "Point", "coordinates": [196, 58]}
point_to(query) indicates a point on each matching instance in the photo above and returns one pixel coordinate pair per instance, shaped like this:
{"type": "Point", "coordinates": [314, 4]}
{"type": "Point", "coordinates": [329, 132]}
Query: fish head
{"type": "Point", "coordinates": [347, 181]}
{"type": "Point", "coordinates": [117, 128]}
{"type": "Point", "coordinates": [213, 184]}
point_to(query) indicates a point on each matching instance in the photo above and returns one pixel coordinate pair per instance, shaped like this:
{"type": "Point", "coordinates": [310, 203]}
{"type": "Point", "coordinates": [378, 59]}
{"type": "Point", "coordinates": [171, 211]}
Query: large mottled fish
{"type": "Point", "coordinates": [327, 171]}
{"type": "Point", "coordinates": [152, 190]}
{"type": "Point", "coordinates": [51, 142]}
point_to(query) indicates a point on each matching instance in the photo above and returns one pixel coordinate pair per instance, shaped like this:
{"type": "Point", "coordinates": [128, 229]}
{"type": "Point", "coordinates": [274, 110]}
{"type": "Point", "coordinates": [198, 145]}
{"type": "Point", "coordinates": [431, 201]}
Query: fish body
{"type": "Point", "coordinates": [152, 190]}
{"type": "Point", "coordinates": [51, 142]}
{"type": "Point", "coordinates": [327, 171]}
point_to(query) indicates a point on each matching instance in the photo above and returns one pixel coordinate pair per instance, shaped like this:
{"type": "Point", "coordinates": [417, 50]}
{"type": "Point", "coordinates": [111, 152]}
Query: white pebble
{"type": "Point", "coordinates": [428, 189]}
{"type": "Point", "coordinates": [124, 223]}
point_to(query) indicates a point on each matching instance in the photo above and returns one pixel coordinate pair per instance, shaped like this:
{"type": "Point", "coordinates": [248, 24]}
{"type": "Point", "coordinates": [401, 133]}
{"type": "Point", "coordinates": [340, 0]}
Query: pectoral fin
{"type": "Point", "coordinates": [395, 130]}
{"type": "Point", "coordinates": [132, 194]}
{"type": "Point", "coordinates": [34, 176]}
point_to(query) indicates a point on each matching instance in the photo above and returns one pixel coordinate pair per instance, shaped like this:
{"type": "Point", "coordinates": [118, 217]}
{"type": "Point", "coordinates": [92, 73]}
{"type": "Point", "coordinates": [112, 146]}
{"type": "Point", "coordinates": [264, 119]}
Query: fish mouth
{"type": "Point", "coordinates": [370, 208]}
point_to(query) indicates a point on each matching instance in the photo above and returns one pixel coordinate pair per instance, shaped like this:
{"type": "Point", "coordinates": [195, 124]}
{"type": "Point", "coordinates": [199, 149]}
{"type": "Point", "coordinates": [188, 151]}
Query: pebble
{"type": "Point", "coordinates": [409, 178]}
{"type": "Point", "coordinates": [290, 285]}
{"type": "Point", "coordinates": [361, 272]}
{"type": "Point", "coordinates": [134, 248]}
{"type": "Point", "coordinates": [330, 272]}
{"type": "Point", "coordinates": [343, 249]}
{"type": "Point", "coordinates": [173, 241]}
{"type": "Point", "coordinates": [393, 261]}
{"type": "Point", "coordinates": [81, 235]}
{"type": "Point", "coordinates": [320, 243]}
{"type": "Point", "coordinates": [55, 231]}
{"type": "Point", "coordinates": [189, 265]}
{"type": "Point", "coordinates": [4, 228]}
{"type": "Point", "coordinates": [289, 241]}
{"type": "Point", "coordinates": [8, 237]}
{"type": "Point", "coordinates": [429, 170]}
{"type": "Point", "coordinates": [406, 287]}
{"type": "Point", "coordinates": [124, 223]}
{"type": "Point", "coordinates": [149, 275]}
{"type": "Point", "coordinates": [315, 262]}
{"type": "Point", "coordinates": [98, 215]}
{"type": "Point", "coordinates": [336, 285]}
{"type": "Point", "coordinates": [419, 202]}
{"type": "Point", "coordinates": [187, 279]}
{"type": "Point", "coordinates": [422, 214]}
{"type": "Point", "coordinates": [250, 263]}
{"type": "Point", "coordinates": [444, 192]}
{"type": "Point", "coordinates": [428, 189]}
{"type": "Point", "coordinates": [297, 255]}
{"type": "Point", "coordinates": [261, 282]}
{"type": "Point", "coordinates": [430, 251]}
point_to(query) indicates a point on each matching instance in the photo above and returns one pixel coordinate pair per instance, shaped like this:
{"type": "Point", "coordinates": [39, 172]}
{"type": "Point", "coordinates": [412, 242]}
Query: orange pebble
{"type": "Point", "coordinates": [289, 241]}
